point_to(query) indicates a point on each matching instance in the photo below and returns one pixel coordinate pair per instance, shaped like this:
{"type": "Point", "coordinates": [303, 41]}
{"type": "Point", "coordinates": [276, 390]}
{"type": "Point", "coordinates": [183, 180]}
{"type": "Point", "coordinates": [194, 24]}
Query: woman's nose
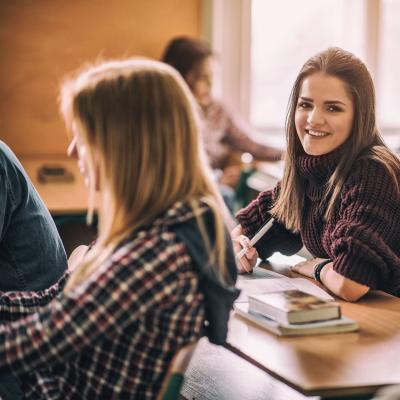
{"type": "Point", "coordinates": [315, 117]}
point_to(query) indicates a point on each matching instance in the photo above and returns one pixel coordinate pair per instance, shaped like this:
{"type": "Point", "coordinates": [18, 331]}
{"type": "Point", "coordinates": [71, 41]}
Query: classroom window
{"type": "Point", "coordinates": [389, 64]}
{"type": "Point", "coordinates": [281, 41]}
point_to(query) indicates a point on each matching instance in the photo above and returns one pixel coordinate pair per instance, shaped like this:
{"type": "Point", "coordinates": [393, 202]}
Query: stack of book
{"type": "Point", "coordinates": [294, 313]}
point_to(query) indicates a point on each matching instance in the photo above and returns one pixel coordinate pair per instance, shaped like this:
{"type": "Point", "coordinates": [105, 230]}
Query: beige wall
{"type": "Point", "coordinates": [42, 40]}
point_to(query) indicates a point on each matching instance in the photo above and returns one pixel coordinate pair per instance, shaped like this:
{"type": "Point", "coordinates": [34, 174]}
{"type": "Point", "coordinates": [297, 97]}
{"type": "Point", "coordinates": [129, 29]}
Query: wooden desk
{"type": "Point", "coordinates": [336, 365]}
{"type": "Point", "coordinates": [59, 197]}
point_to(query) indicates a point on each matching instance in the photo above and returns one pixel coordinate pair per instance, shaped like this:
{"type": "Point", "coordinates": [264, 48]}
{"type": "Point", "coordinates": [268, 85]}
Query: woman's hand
{"type": "Point", "coordinates": [306, 268]}
{"type": "Point", "coordinates": [240, 241]}
{"type": "Point", "coordinates": [338, 284]}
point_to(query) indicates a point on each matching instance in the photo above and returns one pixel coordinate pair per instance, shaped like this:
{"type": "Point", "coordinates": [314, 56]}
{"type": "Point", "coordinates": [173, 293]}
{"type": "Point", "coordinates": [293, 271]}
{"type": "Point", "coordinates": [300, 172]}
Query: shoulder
{"type": "Point", "coordinates": [8, 171]}
{"type": "Point", "coordinates": [372, 180]}
{"type": "Point", "coordinates": [156, 250]}
{"type": "Point", "coordinates": [152, 250]}
{"type": "Point", "coordinates": [7, 157]}
{"type": "Point", "coordinates": [4, 158]}
{"type": "Point", "coordinates": [369, 171]}
{"type": "Point", "coordinates": [215, 110]}
{"type": "Point", "coordinates": [216, 105]}
{"type": "Point", "coordinates": [13, 176]}
{"type": "Point", "coordinates": [9, 164]}
{"type": "Point", "coordinates": [148, 266]}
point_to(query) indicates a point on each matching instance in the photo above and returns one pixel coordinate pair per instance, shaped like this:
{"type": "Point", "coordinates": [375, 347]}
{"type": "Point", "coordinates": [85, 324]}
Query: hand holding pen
{"type": "Point", "coordinates": [246, 254]}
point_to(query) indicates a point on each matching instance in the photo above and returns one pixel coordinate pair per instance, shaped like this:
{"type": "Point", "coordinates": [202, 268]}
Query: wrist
{"type": "Point", "coordinates": [318, 269]}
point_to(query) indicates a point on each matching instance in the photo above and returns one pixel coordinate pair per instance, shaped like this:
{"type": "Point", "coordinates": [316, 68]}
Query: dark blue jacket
{"type": "Point", "coordinates": [32, 256]}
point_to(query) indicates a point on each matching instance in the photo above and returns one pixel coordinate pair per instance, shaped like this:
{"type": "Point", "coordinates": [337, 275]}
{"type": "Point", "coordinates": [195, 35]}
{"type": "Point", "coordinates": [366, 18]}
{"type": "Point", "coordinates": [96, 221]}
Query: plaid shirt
{"type": "Point", "coordinates": [113, 336]}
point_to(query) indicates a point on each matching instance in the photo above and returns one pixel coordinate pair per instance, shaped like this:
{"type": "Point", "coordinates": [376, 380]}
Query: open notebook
{"type": "Point", "coordinates": [264, 281]}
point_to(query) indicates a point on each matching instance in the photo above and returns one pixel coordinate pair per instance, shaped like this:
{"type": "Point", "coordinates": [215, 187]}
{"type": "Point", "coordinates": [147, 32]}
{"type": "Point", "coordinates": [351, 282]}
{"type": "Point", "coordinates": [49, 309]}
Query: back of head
{"type": "Point", "coordinates": [140, 118]}
{"type": "Point", "coordinates": [140, 124]}
{"type": "Point", "coordinates": [184, 54]}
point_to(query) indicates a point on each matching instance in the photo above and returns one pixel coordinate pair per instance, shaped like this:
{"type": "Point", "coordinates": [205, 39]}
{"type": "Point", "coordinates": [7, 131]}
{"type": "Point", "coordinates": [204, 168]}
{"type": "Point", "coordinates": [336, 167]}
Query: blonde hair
{"type": "Point", "coordinates": [364, 141]}
{"type": "Point", "coordinates": [140, 123]}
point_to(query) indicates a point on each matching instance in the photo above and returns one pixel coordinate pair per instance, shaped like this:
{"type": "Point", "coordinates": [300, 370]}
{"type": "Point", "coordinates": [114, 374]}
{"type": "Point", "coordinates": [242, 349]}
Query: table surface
{"type": "Point", "coordinates": [59, 197]}
{"type": "Point", "coordinates": [329, 365]}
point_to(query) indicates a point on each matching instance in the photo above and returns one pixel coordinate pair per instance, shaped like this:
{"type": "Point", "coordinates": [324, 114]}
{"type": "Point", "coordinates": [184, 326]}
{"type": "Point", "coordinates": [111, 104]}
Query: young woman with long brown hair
{"type": "Point", "coordinates": [340, 194]}
{"type": "Point", "coordinates": [147, 285]}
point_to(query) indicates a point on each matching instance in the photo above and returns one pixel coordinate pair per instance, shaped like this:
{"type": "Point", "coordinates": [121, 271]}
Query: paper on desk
{"type": "Point", "coordinates": [260, 286]}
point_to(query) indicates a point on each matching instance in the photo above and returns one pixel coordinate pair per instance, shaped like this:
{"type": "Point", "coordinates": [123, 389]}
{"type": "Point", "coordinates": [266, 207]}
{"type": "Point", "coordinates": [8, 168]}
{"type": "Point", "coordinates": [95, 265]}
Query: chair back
{"type": "Point", "coordinates": [173, 382]}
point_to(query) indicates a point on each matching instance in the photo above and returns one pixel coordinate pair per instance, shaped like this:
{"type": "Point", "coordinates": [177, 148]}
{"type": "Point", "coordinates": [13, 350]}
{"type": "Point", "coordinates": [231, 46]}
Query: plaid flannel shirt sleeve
{"type": "Point", "coordinates": [111, 298]}
{"type": "Point", "coordinates": [18, 304]}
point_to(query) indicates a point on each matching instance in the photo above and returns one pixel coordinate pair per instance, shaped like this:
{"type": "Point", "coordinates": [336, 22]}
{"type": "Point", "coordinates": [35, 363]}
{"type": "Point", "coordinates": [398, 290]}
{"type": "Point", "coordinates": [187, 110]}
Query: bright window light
{"type": "Point", "coordinates": [284, 34]}
{"type": "Point", "coordinates": [389, 64]}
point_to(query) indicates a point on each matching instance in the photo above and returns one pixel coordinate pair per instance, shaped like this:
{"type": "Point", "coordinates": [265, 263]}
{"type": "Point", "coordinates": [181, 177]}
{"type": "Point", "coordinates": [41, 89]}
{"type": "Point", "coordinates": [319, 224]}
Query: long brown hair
{"type": "Point", "coordinates": [140, 124]}
{"type": "Point", "coordinates": [365, 139]}
{"type": "Point", "coordinates": [185, 54]}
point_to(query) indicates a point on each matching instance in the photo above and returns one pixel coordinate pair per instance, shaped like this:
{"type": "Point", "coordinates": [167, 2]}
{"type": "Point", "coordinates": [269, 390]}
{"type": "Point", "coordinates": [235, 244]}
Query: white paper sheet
{"type": "Point", "coordinates": [269, 285]}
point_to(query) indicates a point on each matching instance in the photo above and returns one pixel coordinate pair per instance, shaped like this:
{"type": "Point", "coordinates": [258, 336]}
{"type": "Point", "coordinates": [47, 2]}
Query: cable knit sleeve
{"type": "Point", "coordinates": [366, 237]}
{"type": "Point", "coordinates": [278, 238]}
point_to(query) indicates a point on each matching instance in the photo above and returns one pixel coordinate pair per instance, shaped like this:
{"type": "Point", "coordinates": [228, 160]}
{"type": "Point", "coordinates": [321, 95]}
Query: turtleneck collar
{"type": "Point", "coordinates": [317, 170]}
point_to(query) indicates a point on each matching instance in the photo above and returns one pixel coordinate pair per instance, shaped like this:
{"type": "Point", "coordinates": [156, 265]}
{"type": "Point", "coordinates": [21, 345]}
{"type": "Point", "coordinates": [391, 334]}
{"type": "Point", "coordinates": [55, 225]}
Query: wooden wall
{"type": "Point", "coordinates": [41, 40]}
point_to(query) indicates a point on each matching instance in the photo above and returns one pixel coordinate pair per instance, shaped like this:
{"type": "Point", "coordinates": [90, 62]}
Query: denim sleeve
{"type": "Point", "coordinates": [7, 203]}
{"type": "Point", "coordinates": [32, 256]}
{"type": "Point", "coordinates": [18, 304]}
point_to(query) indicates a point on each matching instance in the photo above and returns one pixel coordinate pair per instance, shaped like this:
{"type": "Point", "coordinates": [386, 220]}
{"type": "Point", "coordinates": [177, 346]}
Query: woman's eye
{"type": "Point", "coordinates": [304, 105]}
{"type": "Point", "coordinates": [334, 109]}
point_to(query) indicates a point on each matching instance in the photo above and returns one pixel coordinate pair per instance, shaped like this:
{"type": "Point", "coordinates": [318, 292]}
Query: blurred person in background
{"type": "Point", "coordinates": [224, 139]}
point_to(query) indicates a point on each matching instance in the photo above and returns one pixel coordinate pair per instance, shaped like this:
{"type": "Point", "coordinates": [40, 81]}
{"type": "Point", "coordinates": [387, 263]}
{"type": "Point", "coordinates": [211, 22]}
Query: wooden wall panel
{"type": "Point", "coordinates": [41, 40]}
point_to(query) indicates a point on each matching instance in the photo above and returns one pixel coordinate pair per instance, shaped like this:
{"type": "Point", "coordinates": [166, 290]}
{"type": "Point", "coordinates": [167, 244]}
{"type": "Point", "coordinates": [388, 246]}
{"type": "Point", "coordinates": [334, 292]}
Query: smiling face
{"type": "Point", "coordinates": [324, 114]}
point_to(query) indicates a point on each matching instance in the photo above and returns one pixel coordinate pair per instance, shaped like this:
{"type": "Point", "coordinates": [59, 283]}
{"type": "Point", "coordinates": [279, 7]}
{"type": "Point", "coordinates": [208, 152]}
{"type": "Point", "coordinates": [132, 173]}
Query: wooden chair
{"type": "Point", "coordinates": [173, 382]}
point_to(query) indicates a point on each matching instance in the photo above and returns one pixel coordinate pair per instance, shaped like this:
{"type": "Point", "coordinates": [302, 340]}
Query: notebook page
{"type": "Point", "coordinates": [269, 285]}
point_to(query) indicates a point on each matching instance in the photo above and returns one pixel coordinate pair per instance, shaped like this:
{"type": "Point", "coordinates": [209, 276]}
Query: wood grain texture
{"type": "Point", "coordinates": [341, 363]}
{"type": "Point", "coordinates": [41, 41]}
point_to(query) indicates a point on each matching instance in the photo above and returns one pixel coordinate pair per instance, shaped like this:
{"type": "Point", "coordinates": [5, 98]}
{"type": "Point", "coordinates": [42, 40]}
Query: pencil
{"type": "Point", "coordinates": [263, 230]}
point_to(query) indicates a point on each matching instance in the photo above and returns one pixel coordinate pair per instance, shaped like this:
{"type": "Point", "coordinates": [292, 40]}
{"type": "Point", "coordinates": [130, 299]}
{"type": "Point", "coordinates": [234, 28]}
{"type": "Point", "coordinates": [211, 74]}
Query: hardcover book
{"type": "Point", "coordinates": [294, 307]}
{"type": "Point", "coordinates": [340, 325]}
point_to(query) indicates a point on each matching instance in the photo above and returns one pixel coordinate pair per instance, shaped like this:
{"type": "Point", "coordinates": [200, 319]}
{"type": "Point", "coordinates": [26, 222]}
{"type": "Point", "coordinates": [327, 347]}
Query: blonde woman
{"type": "Point", "coordinates": [147, 285]}
{"type": "Point", "coordinates": [340, 192]}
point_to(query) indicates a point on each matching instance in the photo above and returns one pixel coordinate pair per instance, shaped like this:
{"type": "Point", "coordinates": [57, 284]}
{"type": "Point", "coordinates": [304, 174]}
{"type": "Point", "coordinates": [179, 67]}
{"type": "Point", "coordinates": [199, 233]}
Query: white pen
{"type": "Point", "coordinates": [264, 229]}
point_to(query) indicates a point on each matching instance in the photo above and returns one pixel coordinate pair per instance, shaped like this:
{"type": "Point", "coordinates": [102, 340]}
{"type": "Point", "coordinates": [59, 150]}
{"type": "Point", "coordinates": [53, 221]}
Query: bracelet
{"type": "Point", "coordinates": [318, 269]}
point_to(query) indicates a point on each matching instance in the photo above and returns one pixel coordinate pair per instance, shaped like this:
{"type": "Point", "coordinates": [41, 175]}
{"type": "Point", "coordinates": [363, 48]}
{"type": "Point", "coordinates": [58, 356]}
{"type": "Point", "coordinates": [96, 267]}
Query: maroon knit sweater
{"type": "Point", "coordinates": [362, 238]}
